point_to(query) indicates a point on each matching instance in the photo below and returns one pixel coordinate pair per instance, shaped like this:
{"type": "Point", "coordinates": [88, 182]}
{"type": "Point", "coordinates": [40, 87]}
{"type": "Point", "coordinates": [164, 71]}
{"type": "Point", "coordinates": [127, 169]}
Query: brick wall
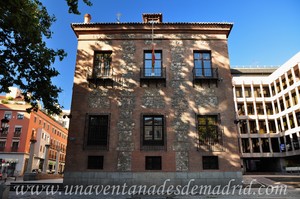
{"type": "Point", "coordinates": [179, 100]}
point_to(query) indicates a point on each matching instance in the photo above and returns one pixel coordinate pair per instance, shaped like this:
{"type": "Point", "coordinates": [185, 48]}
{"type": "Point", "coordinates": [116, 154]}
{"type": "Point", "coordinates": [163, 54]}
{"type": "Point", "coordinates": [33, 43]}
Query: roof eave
{"type": "Point", "coordinates": [214, 25]}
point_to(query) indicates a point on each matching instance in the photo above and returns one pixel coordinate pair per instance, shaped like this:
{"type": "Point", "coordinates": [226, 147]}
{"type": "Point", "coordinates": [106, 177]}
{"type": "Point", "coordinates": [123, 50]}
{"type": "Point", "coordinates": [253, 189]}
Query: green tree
{"type": "Point", "coordinates": [73, 5]}
{"type": "Point", "coordinates": [25, 60]}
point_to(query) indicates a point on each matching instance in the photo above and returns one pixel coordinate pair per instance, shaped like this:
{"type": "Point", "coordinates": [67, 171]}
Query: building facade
{"type": "Point", "coordinates": [152, 101]}
{"type": "Point", "coordinates": [23, 126]}
{"type": "Point", "coordinates": [268, 116]}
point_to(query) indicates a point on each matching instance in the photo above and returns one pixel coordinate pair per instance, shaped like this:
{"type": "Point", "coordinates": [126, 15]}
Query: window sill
{"type": "Point", "coordinates": [153, 148]}
{"type": "Point", "coordinates": [101, 148]}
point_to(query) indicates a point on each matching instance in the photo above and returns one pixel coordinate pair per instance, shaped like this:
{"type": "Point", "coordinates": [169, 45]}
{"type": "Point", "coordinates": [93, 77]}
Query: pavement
{"type": "Point", "coordinates": [255, 186]}
{"type": "Point", "coordinates": [19, 179]}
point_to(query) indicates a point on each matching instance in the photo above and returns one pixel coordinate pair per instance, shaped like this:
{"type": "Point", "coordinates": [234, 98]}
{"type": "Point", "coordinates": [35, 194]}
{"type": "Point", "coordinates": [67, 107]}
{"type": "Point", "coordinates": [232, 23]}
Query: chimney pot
{"type": "Point", "coordinates": [152, 17]}
{"type": "Point", "coordinates": [87, 18]}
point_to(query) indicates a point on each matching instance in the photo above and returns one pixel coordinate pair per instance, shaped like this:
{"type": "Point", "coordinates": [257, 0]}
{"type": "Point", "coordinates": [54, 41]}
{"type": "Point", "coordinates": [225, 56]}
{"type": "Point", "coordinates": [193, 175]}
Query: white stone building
{"type": "Point", "coordinates": [268, 116]}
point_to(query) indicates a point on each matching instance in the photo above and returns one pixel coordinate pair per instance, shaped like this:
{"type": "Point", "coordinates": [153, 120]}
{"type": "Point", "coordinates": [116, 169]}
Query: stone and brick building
{"type": "Point", "coordinates": [268, 116]}
{"type": "Point", "coordinates": [152, 101]}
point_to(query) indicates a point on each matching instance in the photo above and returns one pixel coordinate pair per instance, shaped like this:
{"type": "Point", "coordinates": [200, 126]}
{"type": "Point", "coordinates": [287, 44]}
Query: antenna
{"type": "Point", "coordinates": [118, 17]}
{"type": "Point", "coordinates": [152, 33]}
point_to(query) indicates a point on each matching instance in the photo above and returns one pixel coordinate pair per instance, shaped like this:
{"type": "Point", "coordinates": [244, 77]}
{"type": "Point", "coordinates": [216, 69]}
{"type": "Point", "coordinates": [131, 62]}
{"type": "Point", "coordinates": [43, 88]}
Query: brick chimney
{"type": "Point", "coordinates": [87, 18]}
{"type": "Point", "coordinates": [154, 17]}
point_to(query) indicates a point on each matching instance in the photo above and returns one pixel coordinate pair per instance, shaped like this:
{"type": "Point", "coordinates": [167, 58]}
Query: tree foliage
{"type": "Point", "coordinates": [73, 5]}
{"type": "Point", "coordinates": [26, 61]}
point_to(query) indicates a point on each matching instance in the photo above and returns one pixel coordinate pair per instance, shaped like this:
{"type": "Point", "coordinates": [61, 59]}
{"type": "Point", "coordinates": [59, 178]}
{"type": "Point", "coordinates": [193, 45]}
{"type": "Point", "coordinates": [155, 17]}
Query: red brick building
{"type": "Point", "coordinates": [152, 101]}
{"type": "Point", "coordinates": [15, 140]}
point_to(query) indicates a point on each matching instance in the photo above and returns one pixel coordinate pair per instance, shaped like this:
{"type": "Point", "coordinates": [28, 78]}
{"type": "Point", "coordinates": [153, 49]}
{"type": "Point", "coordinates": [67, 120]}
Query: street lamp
{"type": "Point", "coordinates": [4, 125]}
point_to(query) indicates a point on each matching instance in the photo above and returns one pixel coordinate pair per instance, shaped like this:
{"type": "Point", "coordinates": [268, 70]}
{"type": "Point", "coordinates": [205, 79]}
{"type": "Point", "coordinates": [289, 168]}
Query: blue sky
{"type": "Point", "coordinates": [265, 32]}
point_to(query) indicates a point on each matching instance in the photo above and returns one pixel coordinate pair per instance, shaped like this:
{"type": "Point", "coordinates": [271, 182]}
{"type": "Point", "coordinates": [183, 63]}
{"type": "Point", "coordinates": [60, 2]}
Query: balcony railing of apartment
{"type": "Point", "coordinates": [14, 149]}
{"type": "Point", "coordinates": [211, 142]}
{"type": "Point", "coordinates": [3, 134]}
{"type": "Point", "coordinates": [104, 77]}
{"type": "Point", "coordinates": [2, 148]}
{"type": "Point", "coordinates": [52, 157]}
{"type": "Point", "coordinates": [153, 75]}
{"type": "Point", "coordinates": [205, 75]}
{"type": "Point", "coordinates": [17, 134]}
{"type": "Point", "coordinates": [54, 146]}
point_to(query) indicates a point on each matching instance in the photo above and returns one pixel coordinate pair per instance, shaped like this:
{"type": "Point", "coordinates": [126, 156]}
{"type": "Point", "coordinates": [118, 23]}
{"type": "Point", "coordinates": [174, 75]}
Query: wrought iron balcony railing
{"type": "Point", "coordinates": [205, 73]}
{"type": "Point", "coordinates": [3, 134]}
{"type": "Point", "coordinates": [153, 73]}
{"type": "Point", "coordinates": [14, 149]}
{"type": "Point", "coordinates": [211, 141]}
{"type": "Point", "coordinates": [103, 77]}
{"type": "Point", "coordinates": [17, 134]}
{"type": "Point", "coordinates": [101, 74]}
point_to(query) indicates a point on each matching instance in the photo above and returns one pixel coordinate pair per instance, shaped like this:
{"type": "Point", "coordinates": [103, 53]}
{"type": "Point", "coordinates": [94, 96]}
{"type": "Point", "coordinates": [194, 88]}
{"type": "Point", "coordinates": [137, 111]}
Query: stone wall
{"type": "Point", "coordinates": [126, 105]}
{"type": "Point", "coordinates": [179, 101]}
{"type": "Point", "coordinates": [179, 105]}
{"type": "Point", "coordinates": [153, 178]}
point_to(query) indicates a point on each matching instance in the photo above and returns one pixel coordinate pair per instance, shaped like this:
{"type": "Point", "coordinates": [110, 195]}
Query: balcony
{"type": "Point", "coordinates": [3, 134]}
{"type": "Point", "coordinates": [152, 76]}
{"type": "Point", "coordinates": [14, 149]}
{"type": "Point", "coordinates": [52, 146]}
{"type": "Point", "coordinates": [17, 134]}
{"type": "Point", "coordinates": [2, 148]}
{"type": "Point", "coordinates": [52, 157]}
{"type": "Point", "coordinates": [211, 141]}
{"type": "Point", "coordinates": [101, 77]}
{"type": "Point", "coordinates": [205, 75]}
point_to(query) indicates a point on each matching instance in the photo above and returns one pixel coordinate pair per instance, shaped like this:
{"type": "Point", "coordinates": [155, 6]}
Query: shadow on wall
{"type": "Point", "coordinates": [187, 100]}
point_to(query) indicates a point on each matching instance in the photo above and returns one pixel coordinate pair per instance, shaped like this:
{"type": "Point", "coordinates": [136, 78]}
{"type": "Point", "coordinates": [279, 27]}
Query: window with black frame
{"type": "Point", "coordinates": [210, 162]}
{"type": "Point", "coordinates": [8, 115]}
{"type": "Point", "coordinates": [2, 145]}
{"type": "Point", "coordinates": [202, 64]}
{"type": "Point", "coordinates": [20, 116]}
{"type": "Point", "coordinates": [102, 64]}
{"type": "Point", "coordinates": [15, 145]}
{"type": "Point", "coordinates": [153, 130]}
{"type": "Point", "coordinates": [98, 130]}
{"type": "Point", "coordinates": [153, 64]}
{"type": "Point", "coordinates": [95, 162]}
{"type": "Point", "coordinates": [18, 131]}
{"type": "Point", "coordinates": [153, 163]}
{"type": "Point", "coordinates": [208, 130]}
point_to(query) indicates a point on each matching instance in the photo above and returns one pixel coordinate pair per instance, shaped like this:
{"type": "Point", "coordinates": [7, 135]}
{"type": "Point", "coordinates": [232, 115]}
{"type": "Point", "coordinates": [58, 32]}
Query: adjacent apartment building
{"type": "Point", "coordinates": [22, 127]}
{"type": "Point", "coordinates": [268, 116]}
{"type": "Point", "coordinates": [152, 101]}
